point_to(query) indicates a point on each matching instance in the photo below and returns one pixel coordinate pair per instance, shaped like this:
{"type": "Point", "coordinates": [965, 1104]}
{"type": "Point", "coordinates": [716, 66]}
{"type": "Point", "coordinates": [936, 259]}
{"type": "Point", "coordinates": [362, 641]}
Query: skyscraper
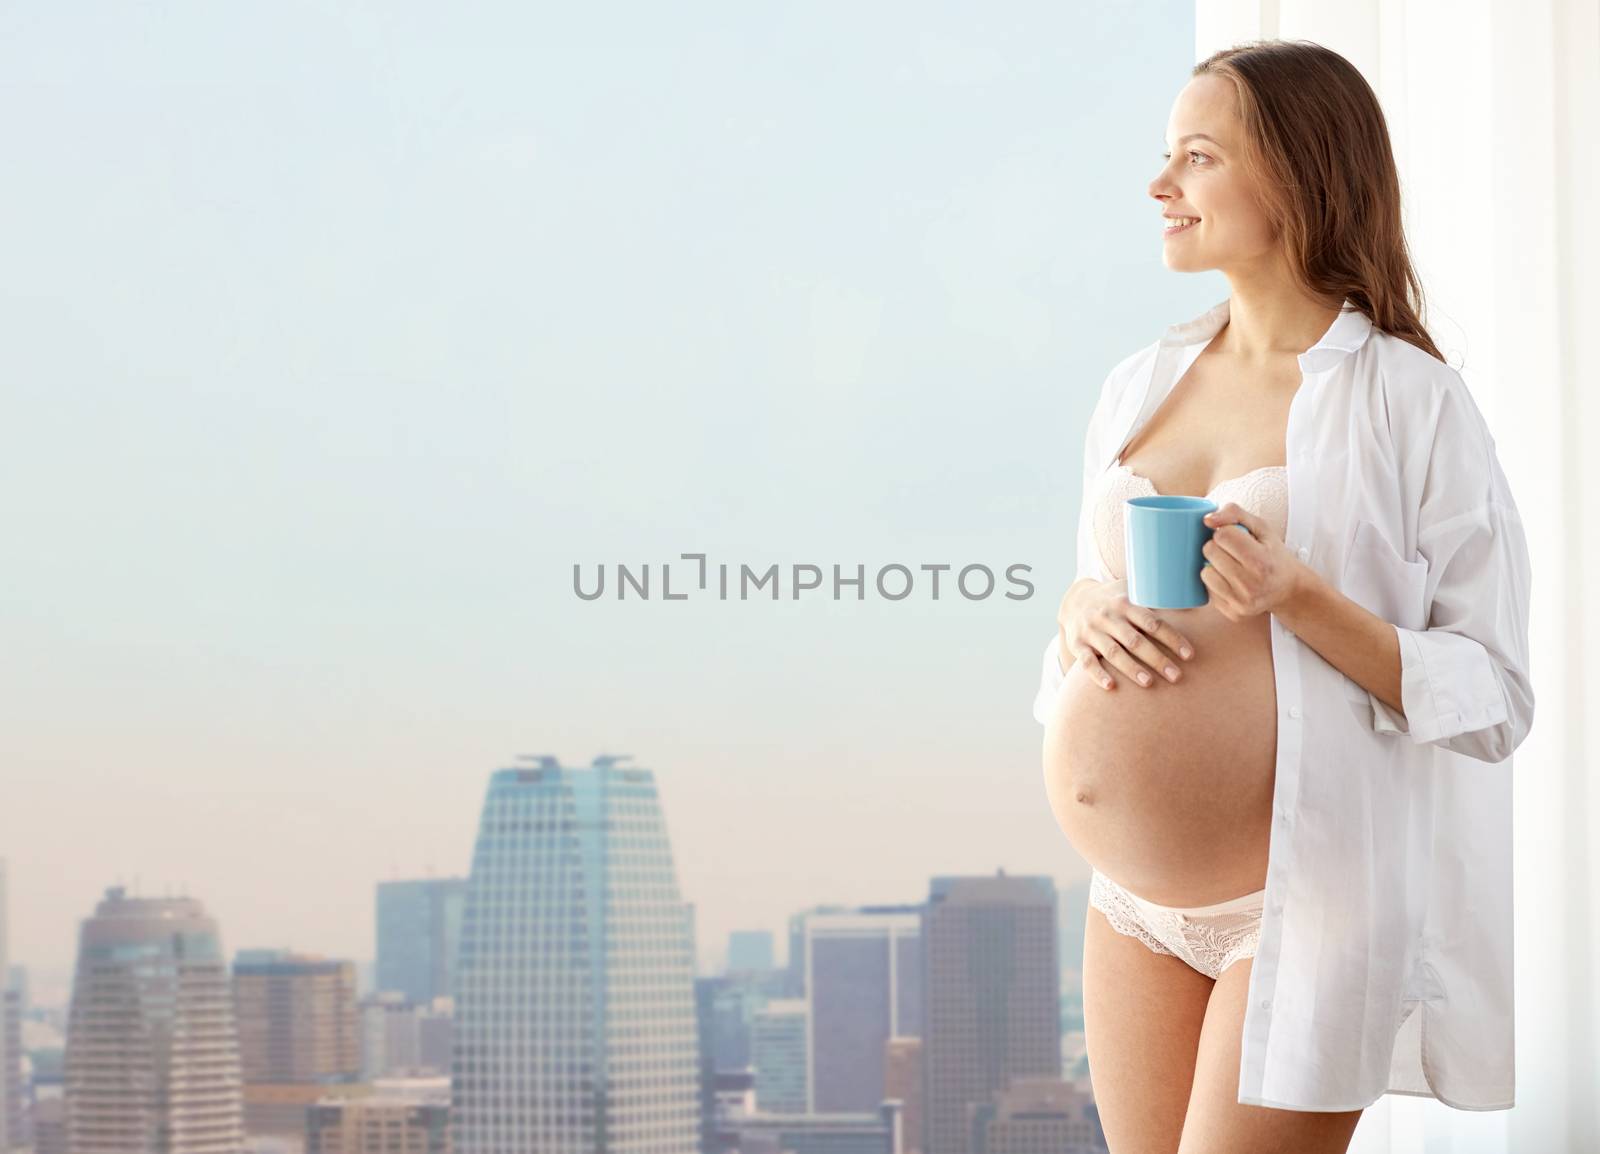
{"type": "Point", "coordinates": [297, 1017]}
{"type": "Point", "coordinates": [575, 1014]}
{"type": "Point", "coordinates": [299, 1033]}
{"type": "Point", "coordinates": [863, 980]}
{"type": "Point", "coordinates": [436, 1030]}
{"type": "Point", "coordinates": [391, 1035]}
{"type": "Point", "coordinates": [992, 986]}
{"type": "Point", "coordinates": [778, 1054]}
{"type": "Point", "coordinates": [152, 1058]}
{"type": "Point", "coordinates": [5, 1055]}
{"type": "Point", "coordinates": [419, 932]}
{"type": "Point", "coordinates": [11, 1085]}
{"type": "Point", "coordinates": [749, 950]}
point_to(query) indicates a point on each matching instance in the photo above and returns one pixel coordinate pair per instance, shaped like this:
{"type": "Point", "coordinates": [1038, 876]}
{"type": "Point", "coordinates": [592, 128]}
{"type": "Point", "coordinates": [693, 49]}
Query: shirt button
{"type": "Point", "coordinates": [1304, 552]}
{"type": "Point", "coordinates": [1294, 711]}
{"type": "Point", "coordinates": [1266, 1003]}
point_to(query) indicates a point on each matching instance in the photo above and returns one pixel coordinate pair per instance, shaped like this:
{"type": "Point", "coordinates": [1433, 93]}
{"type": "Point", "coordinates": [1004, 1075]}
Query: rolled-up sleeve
{"type": "Point", "coordinates": [1464, 680]}
{"type": "Point", "coordinates": [1053, 671]}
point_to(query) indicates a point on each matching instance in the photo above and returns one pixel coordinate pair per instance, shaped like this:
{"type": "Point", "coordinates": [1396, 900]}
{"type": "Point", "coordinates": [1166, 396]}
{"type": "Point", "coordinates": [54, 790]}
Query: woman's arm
{"type": "Point", "coordinates": [1462, 683]}
{"type": "Point", "coordinates": [1348, 636]}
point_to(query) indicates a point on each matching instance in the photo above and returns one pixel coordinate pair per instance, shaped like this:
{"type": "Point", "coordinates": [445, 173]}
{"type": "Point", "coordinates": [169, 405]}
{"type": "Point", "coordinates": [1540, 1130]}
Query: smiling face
{"type": "Point", "coordinates": [1205, 177]}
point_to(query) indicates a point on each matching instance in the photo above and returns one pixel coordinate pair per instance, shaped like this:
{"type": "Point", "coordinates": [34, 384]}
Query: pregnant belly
{"type": "Point", "coordinates": [1167, 790]}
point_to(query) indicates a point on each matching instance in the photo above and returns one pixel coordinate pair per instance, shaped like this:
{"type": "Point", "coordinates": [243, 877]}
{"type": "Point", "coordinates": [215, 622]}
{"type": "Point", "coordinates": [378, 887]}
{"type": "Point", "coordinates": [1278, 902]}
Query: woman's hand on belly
{"type": "Point", "coordinates": [1102, 630]}
{"type": "Point", "coordinates": [1166, 790]}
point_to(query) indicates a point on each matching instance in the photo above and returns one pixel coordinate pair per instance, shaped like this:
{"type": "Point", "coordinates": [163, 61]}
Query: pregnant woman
{"type": "Point", "coordinates": [1295, 798]}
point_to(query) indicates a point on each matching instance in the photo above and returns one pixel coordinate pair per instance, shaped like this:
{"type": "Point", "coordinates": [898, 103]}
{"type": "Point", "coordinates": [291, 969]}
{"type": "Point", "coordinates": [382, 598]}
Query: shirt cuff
{"type": "Point", "coordinates": [1447, 687]}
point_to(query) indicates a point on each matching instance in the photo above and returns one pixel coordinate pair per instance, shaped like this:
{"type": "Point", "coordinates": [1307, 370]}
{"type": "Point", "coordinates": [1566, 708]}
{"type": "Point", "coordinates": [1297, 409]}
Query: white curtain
{"type": "Point", "coordinates": [1494, 110]}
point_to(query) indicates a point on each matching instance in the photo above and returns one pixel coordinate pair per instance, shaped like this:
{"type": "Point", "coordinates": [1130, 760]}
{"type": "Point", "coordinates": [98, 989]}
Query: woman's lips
{"type": "Point", "coordinates": [1165, 231]}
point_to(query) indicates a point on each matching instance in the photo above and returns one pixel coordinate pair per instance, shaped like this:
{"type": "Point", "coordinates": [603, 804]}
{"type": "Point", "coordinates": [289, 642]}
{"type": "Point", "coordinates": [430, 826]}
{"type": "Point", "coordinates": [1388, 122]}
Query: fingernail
{"type": "Point", "coordinates": [1186, 651]}
{"type": "Point", "coordinates": [1172, 674]}
{"type": "Point", "coordinates": [1144, 679]}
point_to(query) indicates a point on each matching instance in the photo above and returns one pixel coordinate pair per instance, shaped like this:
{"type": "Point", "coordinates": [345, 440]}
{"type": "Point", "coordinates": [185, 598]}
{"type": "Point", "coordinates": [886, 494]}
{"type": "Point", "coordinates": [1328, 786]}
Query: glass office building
{"type": "Point", "coordinates": [575, 1012]}
{"type": "Point", "coordinates": [419, 931]}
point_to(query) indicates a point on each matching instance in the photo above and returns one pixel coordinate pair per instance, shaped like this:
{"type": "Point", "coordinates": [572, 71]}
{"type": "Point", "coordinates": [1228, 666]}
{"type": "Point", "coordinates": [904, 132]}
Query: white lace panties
{"type": "Point", "coordinates": [1208, 938]}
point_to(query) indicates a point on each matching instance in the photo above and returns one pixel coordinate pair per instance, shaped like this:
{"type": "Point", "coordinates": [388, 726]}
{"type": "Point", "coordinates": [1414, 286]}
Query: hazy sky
{"type": "Point", "coordinates": [332, 340]}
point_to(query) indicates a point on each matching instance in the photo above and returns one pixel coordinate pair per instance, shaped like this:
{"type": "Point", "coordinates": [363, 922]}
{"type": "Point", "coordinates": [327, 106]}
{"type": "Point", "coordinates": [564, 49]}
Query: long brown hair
{"type": "Point", "coordinates": [1318, 146]}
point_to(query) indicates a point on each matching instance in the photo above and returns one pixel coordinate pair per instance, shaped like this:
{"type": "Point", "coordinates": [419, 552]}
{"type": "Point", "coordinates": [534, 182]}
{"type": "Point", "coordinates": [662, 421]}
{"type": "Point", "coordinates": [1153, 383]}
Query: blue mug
{"type": "Point", "coordinates": [1164, 536]}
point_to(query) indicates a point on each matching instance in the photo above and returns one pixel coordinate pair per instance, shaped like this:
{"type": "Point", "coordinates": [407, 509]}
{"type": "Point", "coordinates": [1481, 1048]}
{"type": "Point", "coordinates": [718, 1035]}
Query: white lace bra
{"type": "Point", "coordinates": [1263, 491]}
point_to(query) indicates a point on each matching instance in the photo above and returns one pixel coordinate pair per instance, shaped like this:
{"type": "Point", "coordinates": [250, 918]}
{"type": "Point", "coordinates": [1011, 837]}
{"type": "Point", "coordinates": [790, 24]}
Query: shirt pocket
{"type": "Point", "coordinates": [1380, 580]}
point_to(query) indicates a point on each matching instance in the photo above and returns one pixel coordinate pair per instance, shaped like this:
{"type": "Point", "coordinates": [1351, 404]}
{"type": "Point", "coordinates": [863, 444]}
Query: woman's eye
{"type": "Point", "coordinates": [1192, 152]}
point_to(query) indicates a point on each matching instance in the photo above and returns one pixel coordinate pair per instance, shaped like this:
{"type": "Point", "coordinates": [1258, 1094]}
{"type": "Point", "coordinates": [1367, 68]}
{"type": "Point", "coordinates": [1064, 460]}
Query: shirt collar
{"type": "Point", "coordinates": [1347, 333]}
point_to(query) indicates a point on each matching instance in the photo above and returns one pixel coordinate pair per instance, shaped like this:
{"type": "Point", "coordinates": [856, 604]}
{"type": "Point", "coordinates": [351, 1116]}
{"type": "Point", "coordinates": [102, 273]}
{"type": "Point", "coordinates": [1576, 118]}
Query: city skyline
{"type": "Point", "coordinates": [573, 941]}
{"type": "Point", "coordinates": [50, 984]}
{"type": "Point", "coordinates": [324, 376]}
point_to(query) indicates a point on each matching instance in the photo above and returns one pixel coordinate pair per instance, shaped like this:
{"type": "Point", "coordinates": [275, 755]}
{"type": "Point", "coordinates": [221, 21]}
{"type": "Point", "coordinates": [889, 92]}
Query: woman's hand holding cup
{"type": "Point", "coordinates": [1102, 630]}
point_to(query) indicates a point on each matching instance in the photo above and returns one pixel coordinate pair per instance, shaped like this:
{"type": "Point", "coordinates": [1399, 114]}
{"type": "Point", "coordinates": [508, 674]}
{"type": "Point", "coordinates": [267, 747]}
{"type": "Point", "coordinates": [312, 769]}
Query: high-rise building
{"type": "Point", "coordinates": [796, 963]}
{"type": "Point", "coordinates": [729, 1005]}
{"type": "Point", "coordinates": [436, 1028]}
{"type": "Point", "coordinates": [391, 1035]}
{"type": "Point", "coordinates": [299, 1031]}
{"type": "Point", "coordinates": [11, 1088]}
{"type": "Point", "coordinates": [902, 1080]}
{"type": "Point", "coordinates": [419, 933]}
{"type": "Point", "coordinates": [575, 1014]}
{"type": "Point", "coordinates": [50, 1125]}
{"type": "Point", "coordinates": [778, 1053]}
{"type": "Point", "coordinates": [749, 950]}
{"type": "Point", "coordinates": [6, 1103]}
{"type": "Point", "coordinates": [863, 980]}
{"type": "Point", "coordinates": [297, 1017]}
{"type": "Point", "coordinates": [992, 984]}
{"type": "Point", "coordinates": [17, 980]}
{"type": "Point", "coordinates": [152, 1057]}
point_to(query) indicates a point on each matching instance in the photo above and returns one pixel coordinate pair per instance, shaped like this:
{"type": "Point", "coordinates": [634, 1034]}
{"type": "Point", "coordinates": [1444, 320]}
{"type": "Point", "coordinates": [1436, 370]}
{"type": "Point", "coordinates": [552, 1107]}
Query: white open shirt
{"type": "Point", "coordinates": [1389, 874]}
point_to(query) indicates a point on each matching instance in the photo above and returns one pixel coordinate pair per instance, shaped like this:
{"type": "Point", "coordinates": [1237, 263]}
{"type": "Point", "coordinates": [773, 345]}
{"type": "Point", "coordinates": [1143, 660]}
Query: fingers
{"type": "Point", "coordinates": [1159, 629]}
{"type": "Point", "coordinates": [1120, 645]}
{"type": "Point", "coordinates": [1221, 559]}
{"type": "Point", "coordinates": [1118, 636]}
{"type": "Point", "coordinates": [1091, 666]}
{"type": "Point", "coordinates": [1139, 645]}
{"type": "Point", "coordinates": [1220, 590]}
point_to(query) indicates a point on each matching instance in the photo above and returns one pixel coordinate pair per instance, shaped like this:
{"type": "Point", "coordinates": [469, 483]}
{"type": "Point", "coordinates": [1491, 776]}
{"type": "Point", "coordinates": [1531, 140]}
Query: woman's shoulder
{"type": "Point", "coordinates": [1425, 398]}
{"type": "Point", "coordinates": [1410, 369]}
